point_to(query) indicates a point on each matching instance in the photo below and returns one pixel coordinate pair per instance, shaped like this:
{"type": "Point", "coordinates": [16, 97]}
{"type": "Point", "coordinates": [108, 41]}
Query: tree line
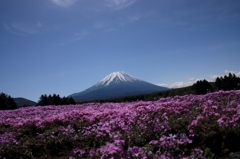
{"type": "Point", "coordinates": [54, 100]}
{"type": "Point", "coordinates": [230, 82]}
{"type": "Point", "coordinates": [7, 102]}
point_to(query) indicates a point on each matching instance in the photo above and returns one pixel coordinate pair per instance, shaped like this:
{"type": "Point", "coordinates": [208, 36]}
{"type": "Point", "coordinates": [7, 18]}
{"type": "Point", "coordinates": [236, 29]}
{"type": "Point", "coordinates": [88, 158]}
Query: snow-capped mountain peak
{"type": "Point", "coordinates": [115, 85]}
{"type": "Point", "coordinates": [117, 77]}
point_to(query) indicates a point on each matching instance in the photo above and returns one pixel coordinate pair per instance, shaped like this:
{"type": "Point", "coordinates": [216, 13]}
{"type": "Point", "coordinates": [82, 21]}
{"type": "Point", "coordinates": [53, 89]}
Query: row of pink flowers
{"type": "Point", "coordinates": [129, 124]}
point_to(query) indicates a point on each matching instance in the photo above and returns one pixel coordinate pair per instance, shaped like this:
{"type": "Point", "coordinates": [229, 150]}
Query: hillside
{"type": "Point", "coordinates": [24, 102]}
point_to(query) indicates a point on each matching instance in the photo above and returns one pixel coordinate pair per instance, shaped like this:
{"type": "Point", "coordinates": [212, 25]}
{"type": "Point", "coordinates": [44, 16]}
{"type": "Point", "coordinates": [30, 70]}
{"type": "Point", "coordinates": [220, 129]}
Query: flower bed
{"type": "Point", "coordinates": [191, 126]}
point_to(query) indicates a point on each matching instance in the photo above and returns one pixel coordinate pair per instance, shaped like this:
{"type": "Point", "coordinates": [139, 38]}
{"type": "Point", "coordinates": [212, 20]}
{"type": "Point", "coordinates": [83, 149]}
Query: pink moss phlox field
{"type": "Point", "coordinates": [166, 128]}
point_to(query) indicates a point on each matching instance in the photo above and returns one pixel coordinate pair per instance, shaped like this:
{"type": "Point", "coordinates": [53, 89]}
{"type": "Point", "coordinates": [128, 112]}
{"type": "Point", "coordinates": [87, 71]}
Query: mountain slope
{"type": "Point", "coordinates": [24, 102]}
{"type": "Point", "coordinates": [117, 84]}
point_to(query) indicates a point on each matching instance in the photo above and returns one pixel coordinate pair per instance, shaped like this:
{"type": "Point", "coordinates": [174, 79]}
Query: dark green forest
{"type": "Point", "coordinates": [55, 100]}
{"type": "Point", "coordinates": [7, 102]}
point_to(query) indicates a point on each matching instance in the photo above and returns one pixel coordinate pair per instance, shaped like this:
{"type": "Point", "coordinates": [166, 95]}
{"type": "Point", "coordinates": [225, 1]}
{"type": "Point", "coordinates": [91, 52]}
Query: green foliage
{"type": "Point", "coordinates": [50, 142]}
{"type": "Point", "coordinates": [208, 153]}
{"type": "Point", "coordinates": [55, 100]}
{"type": "Point", "coordinates": [7, 102]}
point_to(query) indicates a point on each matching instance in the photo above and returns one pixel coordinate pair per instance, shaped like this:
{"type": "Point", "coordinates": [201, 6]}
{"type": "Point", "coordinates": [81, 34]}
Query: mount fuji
{"type": "Point", "coordinates": [116, 84]}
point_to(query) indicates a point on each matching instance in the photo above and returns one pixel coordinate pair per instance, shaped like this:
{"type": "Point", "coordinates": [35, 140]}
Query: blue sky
{"type": "Point", "coordinates": [66, 46]}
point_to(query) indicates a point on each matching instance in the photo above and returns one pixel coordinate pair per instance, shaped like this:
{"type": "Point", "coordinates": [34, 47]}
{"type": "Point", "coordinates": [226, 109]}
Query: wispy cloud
{"type": "Point", "coordinates": [9, 29]}
{"type": "Point", "coordinates": [134, 18]}
{"type": "Point", "coordinates": [64, 3]}
{"type": "Point", "coordinates": [140, 16]}
{"type": "Point", "coordinates": [24, 29]}
{"type": "Point", "coordinates": [98, 25]}
{"type": "Point", "coordinates": [192, 80]}
{"type": "Point", "coordinates": [75, 37]}
{"type": "Point", "coordinates": [39, 24]}
{"type": "Point", "coordinates": [119, 4]}
{"type": "Point", "coordinates": [81, 35]}
{"type": "Point", "coordinates": [213, 77]}
{"type": "Point", "coordinates": [123, 21]}
{"type": "Point", "coordinates": [237, 73]}
{"type": "Point", "coordinates": [188, 82]}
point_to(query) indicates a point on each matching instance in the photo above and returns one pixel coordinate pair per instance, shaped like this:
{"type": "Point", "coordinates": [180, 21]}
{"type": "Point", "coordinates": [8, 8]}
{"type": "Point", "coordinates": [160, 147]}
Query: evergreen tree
{"type": "Point", "coordinates": [55, 100]}
{"type": "Point", "coordinates": [229, 82]}
{"type": "Point", "coordinates": [71, 101]}
{"type": "Point", "coordinates": [217, 83]}
{"type": "Point", "coordinates": [7, 102]}
{"type": "Point", "coordinates": [50, 99]}
{"type": "Point", "coordinates": [202, 87]}
{"type": "Point", "coordinates": [43, 100]}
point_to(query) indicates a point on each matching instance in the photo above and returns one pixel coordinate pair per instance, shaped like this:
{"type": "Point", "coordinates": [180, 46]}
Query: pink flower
{"type": "Point", "coordinates": [171, 136]}
{"type": "Point", "coordinates": [82, 151]}
{"type": "Point", "coordinates": [164, 144]}
{"type": "Point", "coordinates": [91, 153]}
{"type": "Point", "coordinates": [238, 110]}
{"type": "Point", "coordinates": [119, 142]}
{"type": "Point", "coordinates": [163, 138]}
{"type": "Point", "coordinates": [220, 122]}
{"type": "Point", "coordinates": [79, 151]}
{"type": "Point", "coordinates": [153, 142]}
{"type": "Point", "coordinates": [136, 151]}
{"type": "Point", "coordinates": [109, 149]}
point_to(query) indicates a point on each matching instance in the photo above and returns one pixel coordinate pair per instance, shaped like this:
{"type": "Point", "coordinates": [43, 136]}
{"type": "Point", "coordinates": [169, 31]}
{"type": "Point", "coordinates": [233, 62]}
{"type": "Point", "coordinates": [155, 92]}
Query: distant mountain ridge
{"type": "Point", "coordinates": [116, 84]}
{"type": "Point", "coordinates": [24, 102]}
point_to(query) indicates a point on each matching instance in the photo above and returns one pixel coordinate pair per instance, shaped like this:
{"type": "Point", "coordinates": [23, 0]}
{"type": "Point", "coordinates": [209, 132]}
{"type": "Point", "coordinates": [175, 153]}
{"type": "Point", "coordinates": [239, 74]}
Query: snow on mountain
{"type": "Point", "coordinates": [117, 77]}
{"type": "Point", "coordinates": [117, 84]}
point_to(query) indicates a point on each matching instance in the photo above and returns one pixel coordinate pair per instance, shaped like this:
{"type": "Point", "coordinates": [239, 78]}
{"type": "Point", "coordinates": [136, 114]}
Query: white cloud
{"type": "Point", "coordinates": [138, 17]}
{"type": "Point", "coordinates": [21, 29]}
{"type": "Point", "coordinates": [237, 73]}
{"type": "Point", "coordinates": [213, 77]}
{"type": "Point", "coordinates": [99, 25]}
{"type": "Point", "coordinates": [134, 18]}
{"type": "Point", "coordinates": [39, 24]}
{"type": "Point", "coordinates": [119, 4]}
{"type": "Point", "coordinates": [10, 30]}
{"type": "Point", "coordinates": [64, 3]}
{"type": "Point", "coordinates": [76, 37]}
{"type": "Point", "coordinates": [188, 82]}
{"type": "Point", "coordinates": [80, 35]}
{"type": "Point", "coordinates": [191, 81]}
{"type": "Point", "coordinates": [24, 28]}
